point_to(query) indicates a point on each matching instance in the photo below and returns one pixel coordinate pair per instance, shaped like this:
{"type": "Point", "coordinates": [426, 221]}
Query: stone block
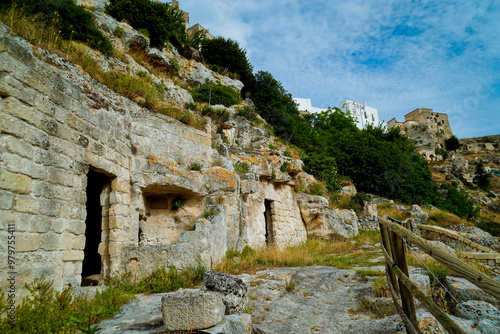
{"type": "Point", "coordinates": [59, 225]}
{"type": "Point", "coordinates": [66, 241]}
{"type": "Point", "coordinates": [78, 243]}
{"type": "Point", "coordinates": [191, 309]}
{"type": "Point", "coordinates": [122, 186]}
{"type": "Point", "coordinates": [27, 204]}
{"type": "Point", "coordinates": [117, 222]}
{"type": "Point", "coordinates": [6, 200]}
{"type": "Point", "coordinates": [39, 224]}
{"type": "Point", "coordinates": [231, 289]}
{"type": "Point", "coordinates": [76, 226]}
{"type": "Point", "coordinates": [27, 242]}
{"type": "Point", "coordinates": [50, 207]}
{"type": "Point", "coordinates": [50, 241]}
{"type": "Point", "coordinates": [17, 183]}
{"type": "Point", "coordinates": [11, 125]}
{"type": "Point", "coordinates": [73, 256]}
{"type": "Point", "coordinates": [9, 86]}
{"type": "Point", "coordinates": [16, 146]}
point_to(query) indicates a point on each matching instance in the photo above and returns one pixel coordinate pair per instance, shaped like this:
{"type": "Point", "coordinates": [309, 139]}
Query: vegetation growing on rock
{"type": "Point", "coordinates": [73, 21]}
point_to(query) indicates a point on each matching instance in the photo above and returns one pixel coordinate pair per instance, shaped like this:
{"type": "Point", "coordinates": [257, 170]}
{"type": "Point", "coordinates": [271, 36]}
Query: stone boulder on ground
{"type": "Point", "coordinates": [231, 289]}
{"type": "Point", "coordinates": [348, 191]}
{"type": "Point", "coordinates": [418, 216]}
{"type": "Point", "coordinates": [478, 310]}
{"type": "Point", "coordinates": [191, 309]}
{"type": "Point", "coordinates": [463, 290]}
{"type": "Point", "coordinates": [323, 222]}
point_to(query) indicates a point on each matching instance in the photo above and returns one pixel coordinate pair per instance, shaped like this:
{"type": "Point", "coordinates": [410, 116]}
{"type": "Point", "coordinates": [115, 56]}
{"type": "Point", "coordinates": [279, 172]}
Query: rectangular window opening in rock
{"type": "Point", "coordinates": [97, 192]}
{"type": "Point", "coordinates": [167, 216]}
{"type": "Point", "coordinates": [268, 216]}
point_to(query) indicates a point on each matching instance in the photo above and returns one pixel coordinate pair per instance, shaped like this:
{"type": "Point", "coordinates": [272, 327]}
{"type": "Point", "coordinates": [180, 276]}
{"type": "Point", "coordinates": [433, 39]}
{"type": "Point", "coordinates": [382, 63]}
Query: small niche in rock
{"type": "Point", "coordinates": [168, 215]}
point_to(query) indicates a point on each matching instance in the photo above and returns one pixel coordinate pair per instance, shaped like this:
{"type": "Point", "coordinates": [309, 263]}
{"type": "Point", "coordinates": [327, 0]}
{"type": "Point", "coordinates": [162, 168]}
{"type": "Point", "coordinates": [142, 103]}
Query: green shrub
{"type": "Point", "coordinates": [452, 143]}
{"type": "Point", "coordinates": [74, 21]}
{"type": "Point", "coordinates": [356, 202]}
{"type": "Point", "coordinates": [439, 270]}
{"type": "Point", "coordinates": [315, 189]}
{"type": "Point", "coordinates": [273, 147]}
{"type": "Point", "coordinates": [143, 31]}
{"type": "Point", "coordinates": [247, 112]}
{"type": "Point", "coordinates": [195, 166]}
{"type": "Point", "coordinates": [216, 94]}
{"type": "Point", "coordinates": [160, 21]}
{"type": "Point", "coordinates": [381, 287]}
{"type": "Point", "coordinates": [190, 106]}
{"type": "Point", "coordinates": [489, 226]}
{"type": "Point", "coordinates": [176, 67]}
{"type": "Point", "coordinates": [217, 115]}
{"type": "Point", "coordinates": [241, 167]}
{"type": "Point", "coordinates": [287, 153]}
{"type": "Point", "coordinates": [482, 178]}
{"type": "Point", "coordinates": [178, 202]}
{"type": "Point", "coordinates": [212, 211]}
{"type": "Point", "coordinates": [441, 152]}
{"type": "Point", "coordinates": [161, 280]}
{"type": "Point", "coordinates": [45, 310]}
{"type": "Point", "coordinates": [284, 167]}
{"type": "Point", "coordinates": [226, 53]}
{"type": "Point", "coordinates": [119, 32]}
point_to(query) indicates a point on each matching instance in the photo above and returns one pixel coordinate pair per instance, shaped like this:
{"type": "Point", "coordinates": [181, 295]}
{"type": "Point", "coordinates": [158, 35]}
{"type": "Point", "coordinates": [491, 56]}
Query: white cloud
{"type": "Point", "coordinates": [395, 55]}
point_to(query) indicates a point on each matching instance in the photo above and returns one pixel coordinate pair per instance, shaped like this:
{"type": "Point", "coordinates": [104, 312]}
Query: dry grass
{"type": "Point", "coordinates": [338, 253]}
{"type": "Point", "coordinates": [445, 219]}
{"type": "Point", "coordinates": [494, 216]}
{"type": "Point", "coordinates": [391, 210]}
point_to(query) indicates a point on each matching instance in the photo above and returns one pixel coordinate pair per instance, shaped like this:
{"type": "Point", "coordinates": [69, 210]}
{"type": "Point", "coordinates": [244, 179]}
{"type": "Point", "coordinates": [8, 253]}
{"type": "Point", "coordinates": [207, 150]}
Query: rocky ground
{"type": "Point", "coordinates": [322, 301]}
{"type": "Point", "coordinates": [317, 299]}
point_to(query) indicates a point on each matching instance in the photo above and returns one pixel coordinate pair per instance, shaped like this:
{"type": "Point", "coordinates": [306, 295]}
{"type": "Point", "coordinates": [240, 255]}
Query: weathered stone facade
{"type": "Point", "coordinates": [96, 184]}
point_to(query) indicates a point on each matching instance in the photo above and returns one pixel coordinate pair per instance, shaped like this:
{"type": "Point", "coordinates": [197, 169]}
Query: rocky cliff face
{"type": "Point", "coordinates": [93, 183]}
{"type": "Point", "coordinates": [459, 170]}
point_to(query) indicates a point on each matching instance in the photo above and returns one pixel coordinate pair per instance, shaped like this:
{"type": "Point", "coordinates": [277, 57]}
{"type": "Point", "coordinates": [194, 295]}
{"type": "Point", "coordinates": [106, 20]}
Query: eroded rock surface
{"type": "Point", "coordinates": [231, 289]}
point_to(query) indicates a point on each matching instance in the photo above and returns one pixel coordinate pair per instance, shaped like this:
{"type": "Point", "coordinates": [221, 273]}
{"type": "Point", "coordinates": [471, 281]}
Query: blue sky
{"type": "Point", "coordinates": [395, 55]}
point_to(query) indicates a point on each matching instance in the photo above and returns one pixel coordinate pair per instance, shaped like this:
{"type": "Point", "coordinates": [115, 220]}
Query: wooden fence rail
{"type": "Point", "coordinates": [394, 252]}
{"type": "Point", "coordinates": [467, 271]}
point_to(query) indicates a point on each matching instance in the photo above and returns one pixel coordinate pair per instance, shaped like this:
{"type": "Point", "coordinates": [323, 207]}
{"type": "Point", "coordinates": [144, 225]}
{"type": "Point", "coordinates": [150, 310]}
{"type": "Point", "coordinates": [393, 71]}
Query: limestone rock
{"type": "Point", "coordinates": [370, 210]}
{"type": "Point", "coordinates": [311, 206]}
{"type": "Point", "coordinates": [231, 289]}
{"type": "Point", "coordinates": [139, 316]}
{"type": "Point", "coordinates": [442, 246]}
{"type": "Point", "coordinates": [428, 324]}
{"type": "Point", "coordinates": [341, 222]}
{"type": "Point", "coordinates": [418, 216]}
{"type": "Point", "coordinates": [191, 309]}
{"type": "Point", "coordinates": [233, 324]}
{"type": "Point", "coordinates": [348, 191]}
{"type": "Point", "coordinates": [323, 222]}
{"type": "Point", "coordinates": [478, 310]}
{"type": "Point", "coordinates": [100, 4]}
{"type": "Point", "coordinates": [463, 290]}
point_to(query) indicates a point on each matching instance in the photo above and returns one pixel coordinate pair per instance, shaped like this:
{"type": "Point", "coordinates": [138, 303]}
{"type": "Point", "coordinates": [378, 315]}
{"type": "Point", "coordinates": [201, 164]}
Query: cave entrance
{"type": "Point", "coordinates": [268, 217]}
{"type": "Point", "coordinates": [92, 262]}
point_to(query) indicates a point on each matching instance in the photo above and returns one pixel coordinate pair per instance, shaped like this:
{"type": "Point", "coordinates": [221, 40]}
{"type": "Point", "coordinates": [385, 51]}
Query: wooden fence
{"type": "Point", "coordinates": [398, 279]}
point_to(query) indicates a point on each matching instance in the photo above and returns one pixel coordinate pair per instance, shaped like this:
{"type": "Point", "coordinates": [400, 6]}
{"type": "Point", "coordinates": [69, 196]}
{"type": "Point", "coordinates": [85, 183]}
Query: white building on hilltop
{"type": "Point", "coordinates": [305, 106]}
{"type": "Point", "coordinates": [363, 114]}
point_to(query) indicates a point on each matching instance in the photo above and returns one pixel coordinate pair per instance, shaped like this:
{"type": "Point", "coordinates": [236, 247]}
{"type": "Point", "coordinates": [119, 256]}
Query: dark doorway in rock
{"type": "Point", "coordinates": [269, 222]}
{"type": "Point", "coordinates": [92, 259]}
